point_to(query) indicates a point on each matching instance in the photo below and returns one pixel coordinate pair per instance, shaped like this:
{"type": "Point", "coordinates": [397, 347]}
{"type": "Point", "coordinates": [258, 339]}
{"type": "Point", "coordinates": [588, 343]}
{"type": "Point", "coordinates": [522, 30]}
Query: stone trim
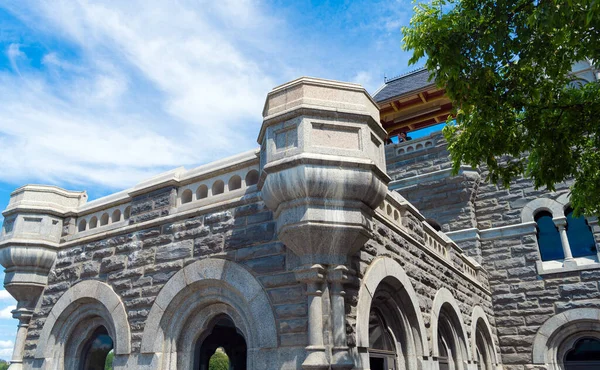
{"type": "Point", "coordinates": [541, 204]}
{"type": "Point", "coordinates": [551, 335]}
{"type": "Point", "coordinates": [479, 314]}
{"type": "Point", "coordinates": [225, 282]}
{"type": "Point", "coordinates": [444, 296]}
{"type": "Point", "coordinates": [378, 270]}
{"type": "Point", "coordinates": [87, 298]}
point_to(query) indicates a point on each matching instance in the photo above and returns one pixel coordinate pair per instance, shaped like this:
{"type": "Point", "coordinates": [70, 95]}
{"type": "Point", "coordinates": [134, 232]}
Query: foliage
{"type": "Point", "coordinates": [108, 365]}
{"type": "Point", "coordinates": [3, 365]}
{"type": "Point", "coordinates": [219, 361]}
{"type": "Point", "coordinates": [505, 64]}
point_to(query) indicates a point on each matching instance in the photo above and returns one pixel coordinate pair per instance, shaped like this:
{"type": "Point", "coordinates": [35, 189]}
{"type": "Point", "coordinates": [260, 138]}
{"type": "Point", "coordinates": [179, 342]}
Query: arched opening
{"type": "Point", "coordinates": [186, 196]}
{"type": "Point", "coordinates": [127, 213]}
{"type": "Point", "coordinates": [104, 219]}
{"type": "Point", "coordinates": [116, 216]}
{"type": "Point", "coordinates": [548, 237]}
{"type": "Point", "coordinates": [235, 183]}
{"type": "Point", "coordinates": [581, 239]}
{"type": "Point", "coordinates": [202, 192]}
{"type": "Point", "coordinates": [82, 225]}
{"type": "Point", "coordinates": [93, 222]}
{"type": "Point", "coordinates": [218, 187]}
{"type": "Point", "coordinates": [95, 352]}
{"type": "Point", "coordinates": [223, 334]}
{"type": "Point", "coordinates": [584, 355]}
{"type": "Point", "coordinates": [252, 178]}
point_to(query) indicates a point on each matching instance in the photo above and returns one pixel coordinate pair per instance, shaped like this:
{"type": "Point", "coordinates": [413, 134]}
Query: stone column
{"type": "Point", "coordinates": [24, 316]}
{"type": "Point", "coordinates": [314, 277]}
{"type": "Point", "coordinates": [561, 224]}
{"type": "Point", "coordinates": [340, 358]}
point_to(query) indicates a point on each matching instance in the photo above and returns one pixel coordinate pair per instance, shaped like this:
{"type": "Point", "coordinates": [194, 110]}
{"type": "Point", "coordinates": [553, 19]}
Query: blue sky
{"type": "Point", "coordinates": [97, 95]}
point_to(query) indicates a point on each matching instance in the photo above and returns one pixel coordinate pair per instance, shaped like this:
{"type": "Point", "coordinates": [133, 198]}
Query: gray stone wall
{"type": "Point", "coordinates": [522, 299]}
{"type": "Point", "coordinates": [138, 264]}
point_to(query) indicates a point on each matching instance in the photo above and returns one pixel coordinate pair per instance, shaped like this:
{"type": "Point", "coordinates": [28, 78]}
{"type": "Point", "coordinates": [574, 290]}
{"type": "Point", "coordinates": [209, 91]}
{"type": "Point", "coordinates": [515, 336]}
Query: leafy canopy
{"type": "Point", "coordinates": [218, 361]}
{"type": "Point", "coordinates": [506, 65]}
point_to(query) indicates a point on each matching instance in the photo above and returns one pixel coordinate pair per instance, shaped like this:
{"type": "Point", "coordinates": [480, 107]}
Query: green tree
{"type": "Point", "coordinates": [506, 65]}
{"type": "Point", "coordinates": [108, 364]}
{"type": "Point", "coordinates": [219, 361]}
{"type": "Point", "coordinates": [3, 365]}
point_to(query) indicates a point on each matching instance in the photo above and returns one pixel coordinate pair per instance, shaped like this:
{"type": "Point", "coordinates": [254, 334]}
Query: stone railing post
{"type": "Point", "coordinates": [323, 174]}
{"type": "Point", "coordinates": [561, 224]}
{"type": "Point", "coordinates": [33, 226]}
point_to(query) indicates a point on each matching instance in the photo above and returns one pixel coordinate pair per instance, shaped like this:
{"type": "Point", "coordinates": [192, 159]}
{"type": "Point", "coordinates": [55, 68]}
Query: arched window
{"type": "Point", "coordinates": [202, 192]}
{"type": "Point", "coordinates": [548, 237]}
{"type": "Point", "coordinates": [382, 351]}
{"type": "Point", "coordinates": [95, 351]}
{"type": "Point", "coordinates": [127, 213]}
{"type": "Point", "coordinates": [186, 196]}
{"type": "Point", "coordinates": [104, 219]}
{"type": "Point", "coordinates": [218, 187]}
{"type": "Point", "coordinates": [483, 346]}
{"type": "Point", "coordinates": [82, 225]}
{"type": "Point", "coordinates": [235, 183]}
{"type": "Point", "coordinates": [116, 216]}
{"type": "Point", "coordinates": [451, 343]}
{"type": "Point", "coordinates": [93, 222]}
{"type": "Point", "coordinates": [252, 178]}
{"type": "Point", "coordinates": [585, 355]}
{"type": "Point", "coordinates": [581, 239]}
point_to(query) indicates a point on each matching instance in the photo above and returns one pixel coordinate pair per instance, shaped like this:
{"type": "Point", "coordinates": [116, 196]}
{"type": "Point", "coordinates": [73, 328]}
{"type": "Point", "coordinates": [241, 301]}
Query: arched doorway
{"type": "Point", "coordinates": [95, 351]}
{"type": "Point", "coordinates": [221, 334]}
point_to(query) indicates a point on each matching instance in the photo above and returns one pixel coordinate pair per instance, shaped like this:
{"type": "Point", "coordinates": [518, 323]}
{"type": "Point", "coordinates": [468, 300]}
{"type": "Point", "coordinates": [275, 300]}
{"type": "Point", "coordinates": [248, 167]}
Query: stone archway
{"type": "Point", "coordinates": [387, 289]}
{"type": "Point", "coordinates": [79, 312]}
{"type": "Point", "coordinates": [194, 298]}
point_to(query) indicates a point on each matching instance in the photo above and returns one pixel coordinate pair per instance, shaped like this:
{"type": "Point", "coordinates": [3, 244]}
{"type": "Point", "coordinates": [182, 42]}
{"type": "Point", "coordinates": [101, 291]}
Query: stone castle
{"type": "Point", "coordinates": [323, 249]}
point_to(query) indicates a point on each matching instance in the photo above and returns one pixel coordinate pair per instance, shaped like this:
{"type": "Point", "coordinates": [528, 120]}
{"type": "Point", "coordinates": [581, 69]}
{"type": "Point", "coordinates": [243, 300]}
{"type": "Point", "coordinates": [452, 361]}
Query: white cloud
{"type": "Point", "coordinates": [200, 95]}
{"type": "Point", "coordinates": [5, 295]}
{"type": "Point", "coordinates": [6, 348]}
{"type": "Point", "coordinates": [5, 313]}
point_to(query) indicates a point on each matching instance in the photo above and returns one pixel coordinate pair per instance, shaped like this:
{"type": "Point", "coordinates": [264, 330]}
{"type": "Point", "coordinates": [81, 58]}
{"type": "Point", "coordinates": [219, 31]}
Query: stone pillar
{"type": "Point", "coordinates": [314, 277]}
{"type": "Point", "coordinates": [24, 316]}
{"type": "Point", "coordinates": [340, 358]}
{"type": "Point", "coordinates": [561, 224]}
{"type": "Point", "coordinates": [322, 174]}
{"type": "Point", "coordinates": [31, 233]}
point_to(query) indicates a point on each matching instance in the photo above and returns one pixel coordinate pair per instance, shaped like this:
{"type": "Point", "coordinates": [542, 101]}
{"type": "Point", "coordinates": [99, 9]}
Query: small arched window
{"type": "Point", "coordinates": [104, 219]}
{"type": "Point", "coordinates": [116, 216]}
{"type": "Point", "coordinates": [235, 183]}
{"type": "Point", "coordinates": [548, 237]}
{"type": "Point", "coordinates": [252, 178]}
{"type": "Point", "coordinates": [581, 239]}
{"type": "Point", "coordinates": [585, 354]}
{"type": "Point", "coordinates": [82, 225]}
{"type": "Point", "coordinates": [202, 192]}
{"type": "Point", "coordinates": [127, 213]}
{"type": "Point", "coordinates": [186, 196]}
{"type": "Point", "coordinates": [93, 222]}
{"type": "Point", "coordinates": [218, 187]}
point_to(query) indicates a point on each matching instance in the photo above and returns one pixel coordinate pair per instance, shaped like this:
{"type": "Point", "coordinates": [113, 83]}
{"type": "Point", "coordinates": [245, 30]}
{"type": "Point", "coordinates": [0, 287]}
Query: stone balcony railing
{"type": "Point", "coordinates": [203, 186]}
{"type": "Point", "coordinates": [396, 212]}
{"type": "Point", "coordinates": [414, 145]}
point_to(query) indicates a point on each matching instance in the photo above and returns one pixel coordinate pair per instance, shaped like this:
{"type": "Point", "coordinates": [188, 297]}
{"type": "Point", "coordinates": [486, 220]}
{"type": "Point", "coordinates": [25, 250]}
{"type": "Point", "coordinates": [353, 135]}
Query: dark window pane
{"type": "Point", "coordinates": [580, 236]}
{"type": "Point", "coordinates": [379, 338]}
{"type": "Point", "coordinates": [548, 238]}
{"type": "Point", "coordinates": [586, 349]}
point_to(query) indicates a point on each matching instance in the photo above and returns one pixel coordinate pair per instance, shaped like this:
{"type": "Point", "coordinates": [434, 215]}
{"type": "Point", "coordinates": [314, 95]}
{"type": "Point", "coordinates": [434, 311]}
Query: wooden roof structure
{"type": "Point", "coordinates": [411, 102]}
